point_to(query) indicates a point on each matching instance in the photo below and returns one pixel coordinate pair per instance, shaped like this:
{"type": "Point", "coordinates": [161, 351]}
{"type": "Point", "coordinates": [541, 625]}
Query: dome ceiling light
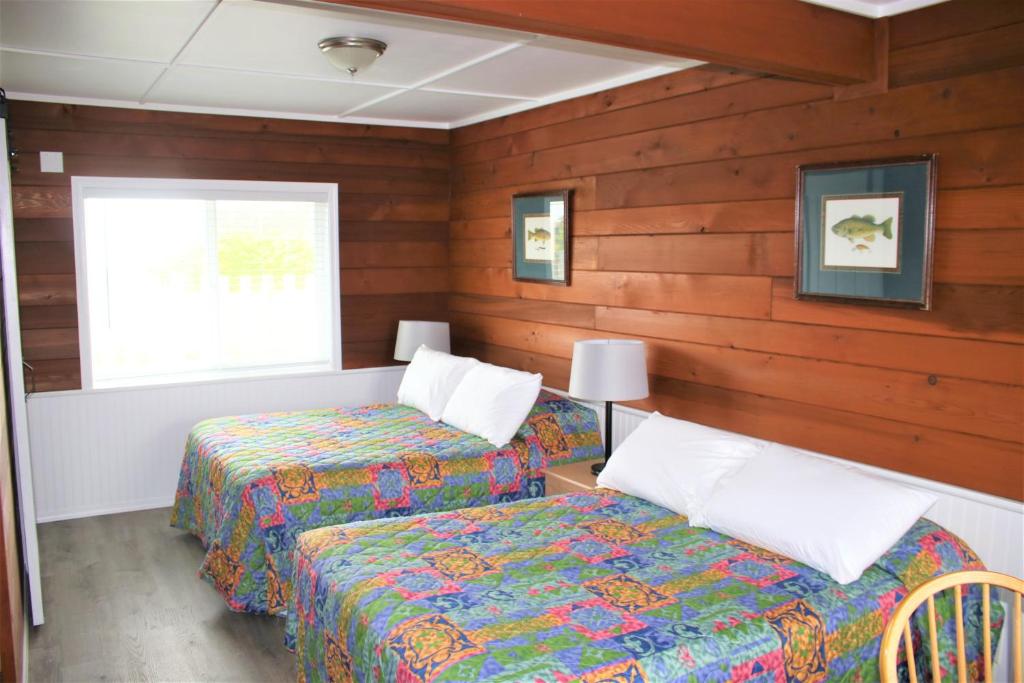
{"type": "Point", "coordinates": [352, 54]}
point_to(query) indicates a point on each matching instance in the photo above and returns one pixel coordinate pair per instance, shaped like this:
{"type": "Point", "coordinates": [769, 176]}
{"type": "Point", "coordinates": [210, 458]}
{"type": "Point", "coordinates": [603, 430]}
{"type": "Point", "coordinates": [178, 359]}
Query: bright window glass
{"type": "Point", "coordinates": [195, 280]}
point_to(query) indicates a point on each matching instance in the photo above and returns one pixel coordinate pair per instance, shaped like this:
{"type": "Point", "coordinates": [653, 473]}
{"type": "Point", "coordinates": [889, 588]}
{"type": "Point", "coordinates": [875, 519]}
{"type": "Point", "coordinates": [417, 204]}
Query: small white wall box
{"type": "Point", "coordinates": [51, 162]}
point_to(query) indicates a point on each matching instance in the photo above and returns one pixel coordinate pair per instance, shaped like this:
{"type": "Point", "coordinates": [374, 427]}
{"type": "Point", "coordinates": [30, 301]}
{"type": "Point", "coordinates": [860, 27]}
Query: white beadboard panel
{"type": "Point", "coordinates": [113, 450]}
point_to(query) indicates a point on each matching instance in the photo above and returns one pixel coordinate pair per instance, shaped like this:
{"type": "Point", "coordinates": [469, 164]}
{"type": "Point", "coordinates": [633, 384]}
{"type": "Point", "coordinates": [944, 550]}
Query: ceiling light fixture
{"type": "Point", "coordinates": [352, 54]}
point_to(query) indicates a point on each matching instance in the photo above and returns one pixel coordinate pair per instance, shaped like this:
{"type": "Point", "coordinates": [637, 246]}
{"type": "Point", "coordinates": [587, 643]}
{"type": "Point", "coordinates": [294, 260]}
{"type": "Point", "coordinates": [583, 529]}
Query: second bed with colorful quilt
{"type": "Point", "coordinates": [595, 587]}
{"type": "Point", "coordinates": [249, 485]}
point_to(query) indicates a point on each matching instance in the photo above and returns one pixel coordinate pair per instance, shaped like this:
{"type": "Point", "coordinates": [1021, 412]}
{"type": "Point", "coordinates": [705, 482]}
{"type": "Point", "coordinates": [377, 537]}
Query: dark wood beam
{"type": "Point", "coordinates": [786, 38]}
{"type": "Point", "coordinates": [880, 83]}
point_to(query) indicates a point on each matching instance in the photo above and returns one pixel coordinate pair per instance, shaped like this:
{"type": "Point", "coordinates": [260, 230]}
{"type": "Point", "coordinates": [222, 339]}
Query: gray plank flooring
{"type": "Point", "coordinates": [123, 603]}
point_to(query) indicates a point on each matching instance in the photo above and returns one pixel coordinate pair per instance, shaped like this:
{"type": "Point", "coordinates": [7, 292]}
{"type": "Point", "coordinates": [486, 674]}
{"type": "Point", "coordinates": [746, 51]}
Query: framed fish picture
{"type": "Point", "coordinates": [541, 237]}
{"type": "Point", "coordinates": [865, 231]}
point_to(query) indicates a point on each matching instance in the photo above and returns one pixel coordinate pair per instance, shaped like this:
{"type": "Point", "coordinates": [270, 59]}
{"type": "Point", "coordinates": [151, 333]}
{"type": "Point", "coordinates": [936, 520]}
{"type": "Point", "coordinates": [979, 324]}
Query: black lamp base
{"type": "Point", "coordinates": [596, 468]}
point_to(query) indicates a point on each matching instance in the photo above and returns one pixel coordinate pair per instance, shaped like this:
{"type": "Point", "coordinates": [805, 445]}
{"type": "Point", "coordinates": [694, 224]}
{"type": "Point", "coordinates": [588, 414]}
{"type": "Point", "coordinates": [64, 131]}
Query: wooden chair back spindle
{"type": "Point", "coordinates": [898, 628]}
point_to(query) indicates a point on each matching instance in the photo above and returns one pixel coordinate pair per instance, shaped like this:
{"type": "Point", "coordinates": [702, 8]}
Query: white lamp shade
{"type": "Point", "coordinates": [413, 333]}
{"type": "Point", "coordinates": [608, 370]}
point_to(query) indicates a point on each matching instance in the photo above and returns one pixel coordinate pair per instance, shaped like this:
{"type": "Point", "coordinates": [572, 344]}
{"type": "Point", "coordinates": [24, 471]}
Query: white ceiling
{"type": "Point", "coordinates": [258, 57]}
{"type": "Point", "coordinates": [875, 9]}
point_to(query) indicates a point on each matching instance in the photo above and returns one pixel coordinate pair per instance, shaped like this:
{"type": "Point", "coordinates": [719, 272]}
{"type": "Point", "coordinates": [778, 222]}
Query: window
{"type": "Point", "coordinates": [183, 280]}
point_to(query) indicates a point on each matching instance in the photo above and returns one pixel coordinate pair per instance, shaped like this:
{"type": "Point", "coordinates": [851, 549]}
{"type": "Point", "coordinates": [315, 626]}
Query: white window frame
{"type": "Point", "coordinates": [171, 186]}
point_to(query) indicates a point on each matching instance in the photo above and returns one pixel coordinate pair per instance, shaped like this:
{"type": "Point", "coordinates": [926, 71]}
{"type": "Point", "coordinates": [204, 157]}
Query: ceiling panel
{"type": "Point", "coordinates": [432, 107]}
{"type": "Point", "coordinates": [67, 76]}
{"type": "Point", "coordinates": [537, 72]}
{"type": "Point", "coordinates": [141, 29]}
{"type": "Point", "coordinates": [611, 52]}
{"type": "Point", "coordinates": [283, 38]}
{"type": "Point", "coordinates": [260, 57]}
{"type": "Point", "coordinates": [875, 9]}
{"type": "Point", "coordinates": [185, 85]}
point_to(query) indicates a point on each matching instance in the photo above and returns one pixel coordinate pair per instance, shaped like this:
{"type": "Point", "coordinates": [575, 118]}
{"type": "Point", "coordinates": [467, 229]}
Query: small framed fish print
{"type": "Point", "coordinates": [865, 231]}
{"type": "Point", "coordinates": [541, 239]}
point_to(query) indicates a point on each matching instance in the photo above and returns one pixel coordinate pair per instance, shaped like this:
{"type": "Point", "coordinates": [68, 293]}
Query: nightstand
{"type": "Point", "coordinates": [572, 478]}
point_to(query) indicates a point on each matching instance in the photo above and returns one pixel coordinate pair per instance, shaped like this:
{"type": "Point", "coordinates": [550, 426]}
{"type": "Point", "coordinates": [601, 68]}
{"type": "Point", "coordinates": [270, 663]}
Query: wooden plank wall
{"type": "Point", "coordinates": [393, 200]}
{"type": "Point", "coordinates": [683, 211]}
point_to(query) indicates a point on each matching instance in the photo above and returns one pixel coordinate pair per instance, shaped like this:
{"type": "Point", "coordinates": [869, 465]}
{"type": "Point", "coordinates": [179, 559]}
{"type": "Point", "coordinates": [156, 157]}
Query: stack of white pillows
{"type": "Point", "coordinates": [834, 518]}
{"type": "Point", "coordinates": [482, 399]}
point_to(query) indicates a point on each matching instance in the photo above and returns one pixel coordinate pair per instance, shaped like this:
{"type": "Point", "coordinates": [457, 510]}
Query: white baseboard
{"type": "Point", "coordinates": [134, 506]}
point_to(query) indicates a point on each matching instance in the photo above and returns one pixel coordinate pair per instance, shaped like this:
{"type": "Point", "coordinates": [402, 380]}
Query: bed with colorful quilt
{"type": "Point", "coordinates": [249, 485]}
{"type": "Point", "coordinates": [592, 587]}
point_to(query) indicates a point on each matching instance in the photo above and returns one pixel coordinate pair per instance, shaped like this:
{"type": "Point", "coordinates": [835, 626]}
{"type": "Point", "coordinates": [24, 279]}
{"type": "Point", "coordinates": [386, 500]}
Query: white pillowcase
{"type": "Point", "coordinates": [674, 463]}
{"type": "Point", "coordinates": [431, 379]}
{"type": "Point", "coordinates": [492, 402]}
{"type": "Point", "coordinates": [834, 518]}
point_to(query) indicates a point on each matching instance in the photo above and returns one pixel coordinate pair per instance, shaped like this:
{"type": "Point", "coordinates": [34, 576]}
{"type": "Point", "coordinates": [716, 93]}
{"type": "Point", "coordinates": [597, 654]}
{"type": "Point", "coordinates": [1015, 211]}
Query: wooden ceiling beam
{"type": "Point", "coordinates": [786, 38]}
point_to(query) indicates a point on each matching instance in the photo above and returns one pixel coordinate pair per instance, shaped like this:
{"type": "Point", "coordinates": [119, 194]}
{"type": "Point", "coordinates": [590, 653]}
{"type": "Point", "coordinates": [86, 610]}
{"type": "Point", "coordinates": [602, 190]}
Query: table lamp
{"type": "Point", "coordinates": [413, 333]}
{"type": "Point", "coordinates": [608, 370]}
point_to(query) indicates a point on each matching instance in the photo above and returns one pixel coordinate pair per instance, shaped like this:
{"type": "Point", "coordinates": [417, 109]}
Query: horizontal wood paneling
{"type": "Point", "coordinates": [994, 48]}
{"type": "Point", "coordinates": [642, 92]}
{"type": "Point", "coordinates": [393, 202]}
{"type": "Point", "coordinates": [43, 115]}
{"type": "Point", "coordinates": [940, 356]}
{"type": "Point", "coordinates": [683, 237]}
{"type": "Point", "coordinates": [743, 216]}
{"type": "Point", "coordinates": [969, 159]}
{"type": "Point", "coordinates": [991, 410]}
{"type": "Point", "coordinates": [951, 105]}
{"type": "Point", "coordinates": [876, 441]}
{"type": "Point", "coordinates": [371, 317]}
{"type": "Point", "coordinates": [710, 104]}
{"type": "Point", "coordinates": [254, 149]}
{"type": "Point", "coordinates": [952, 19]}
{"type": "Point", "coordinates": [53, 375]}
{"type": "Point", "coordinates": [746, 297]}
{"type": "Point", "coordinates": [350, 179]}
{"type": "Point", "coordinates": [962, 311]}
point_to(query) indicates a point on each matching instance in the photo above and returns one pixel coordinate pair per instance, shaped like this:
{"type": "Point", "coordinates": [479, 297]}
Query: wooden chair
{"type": "Point", "coordinates": [899, 626]}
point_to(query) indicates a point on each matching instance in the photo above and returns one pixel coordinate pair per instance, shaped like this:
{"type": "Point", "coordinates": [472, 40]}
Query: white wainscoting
{"type": "Point", "coordinates": [113, 450]}
{"type": "Point", "coordinates": [992, 526]}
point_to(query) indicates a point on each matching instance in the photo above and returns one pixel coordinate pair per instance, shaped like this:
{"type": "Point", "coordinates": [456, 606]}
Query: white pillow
{"type": "Point", "coordinates": [834, 518]}
{"type": "Point", "coordinates": [431, 379]}
{"type": "Point", "coordinates": [674, 463]}
{"type": "Point", "coordinates": [492, 402]}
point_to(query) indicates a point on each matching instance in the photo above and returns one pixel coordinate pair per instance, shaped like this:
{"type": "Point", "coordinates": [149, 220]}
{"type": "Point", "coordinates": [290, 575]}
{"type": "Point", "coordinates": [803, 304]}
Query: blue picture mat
{"type": "Point", "coordinates": [522, 207]}
{"type": "Point", "coordinates": [912, 180]}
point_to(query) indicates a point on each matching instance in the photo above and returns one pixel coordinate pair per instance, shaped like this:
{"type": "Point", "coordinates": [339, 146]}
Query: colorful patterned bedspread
{"type": "Point", "coordinates": [591, 587]}
{"type": "Point", "coordinates": [250, 485]}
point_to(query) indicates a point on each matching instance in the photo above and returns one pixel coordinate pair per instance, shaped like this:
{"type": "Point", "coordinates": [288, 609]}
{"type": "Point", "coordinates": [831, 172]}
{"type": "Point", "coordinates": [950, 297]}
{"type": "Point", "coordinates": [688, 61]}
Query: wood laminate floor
{"type": "Point", "coordinates": [123, 603]}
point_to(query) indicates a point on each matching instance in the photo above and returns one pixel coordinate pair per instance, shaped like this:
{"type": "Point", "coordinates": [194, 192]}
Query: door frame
{"type": "Point", "coordinates": [19, 409]}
